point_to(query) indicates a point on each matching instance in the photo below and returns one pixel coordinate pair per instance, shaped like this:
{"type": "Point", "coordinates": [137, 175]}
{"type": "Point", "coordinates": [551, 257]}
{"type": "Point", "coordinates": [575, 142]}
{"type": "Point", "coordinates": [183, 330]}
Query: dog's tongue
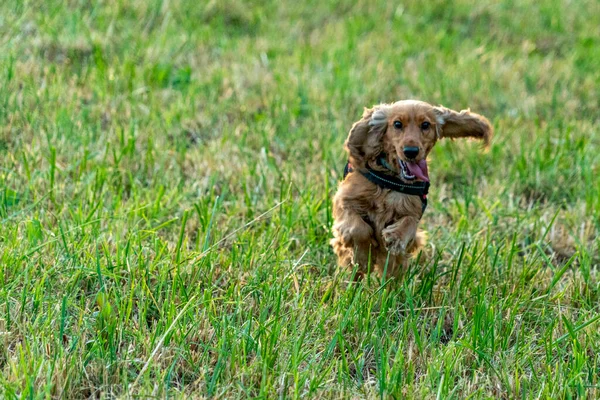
{"type": "Point", "coordinates": [419, 169]}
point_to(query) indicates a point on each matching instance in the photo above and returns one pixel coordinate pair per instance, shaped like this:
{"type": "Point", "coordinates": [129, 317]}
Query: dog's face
{"type": "Point", "coordinates": [410, 133]}
{"type": "Point", "coordinates": [406, 131]}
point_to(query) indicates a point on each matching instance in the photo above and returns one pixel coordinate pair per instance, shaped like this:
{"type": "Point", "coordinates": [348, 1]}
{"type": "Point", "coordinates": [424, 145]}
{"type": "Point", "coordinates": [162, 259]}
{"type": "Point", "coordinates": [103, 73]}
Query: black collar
{"type": "Point", "coordinates": [391, 182]}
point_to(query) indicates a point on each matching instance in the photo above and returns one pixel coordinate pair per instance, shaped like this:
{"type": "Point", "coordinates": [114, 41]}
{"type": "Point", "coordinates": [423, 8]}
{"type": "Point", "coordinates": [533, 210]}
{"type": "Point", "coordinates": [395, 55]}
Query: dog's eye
{"type": "Point", "coordinates": [425, 125]}
{"type": "Point", "coordinates": [397, 124]}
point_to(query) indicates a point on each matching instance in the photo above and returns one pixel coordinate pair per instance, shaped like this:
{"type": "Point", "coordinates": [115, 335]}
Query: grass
{"type": "Point", "coordinates": [166, 173]}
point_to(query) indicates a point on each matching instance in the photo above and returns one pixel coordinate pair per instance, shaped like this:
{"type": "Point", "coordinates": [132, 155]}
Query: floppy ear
{"type": "Point", "coordinates": [462, 124]}
{"type": "Point", "coordinates": [364, 140]}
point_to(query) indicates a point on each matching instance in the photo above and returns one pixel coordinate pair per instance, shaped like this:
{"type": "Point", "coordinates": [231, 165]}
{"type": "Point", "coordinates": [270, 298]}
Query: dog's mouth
{"type": "Point", "coordinates": [414, 170]}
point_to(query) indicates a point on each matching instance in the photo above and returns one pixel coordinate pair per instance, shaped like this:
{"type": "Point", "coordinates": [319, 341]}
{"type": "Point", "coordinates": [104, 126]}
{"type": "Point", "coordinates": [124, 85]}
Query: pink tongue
{"type": "Point", "coordinates": [419, 170]}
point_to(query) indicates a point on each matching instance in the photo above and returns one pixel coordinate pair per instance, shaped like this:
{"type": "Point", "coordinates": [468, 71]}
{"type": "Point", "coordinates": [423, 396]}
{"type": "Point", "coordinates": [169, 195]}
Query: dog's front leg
{"type": "Point", "coordinates": [399, 235]}
{"type": "Point", "coordinates": [353, 239]}
{"type": "Point", "coordinates": [352, 228]}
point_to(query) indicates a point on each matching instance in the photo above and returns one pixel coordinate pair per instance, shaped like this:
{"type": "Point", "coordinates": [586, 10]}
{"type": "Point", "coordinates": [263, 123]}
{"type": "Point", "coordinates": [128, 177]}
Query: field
{"type": "Point", "coordinates": [166, 173]}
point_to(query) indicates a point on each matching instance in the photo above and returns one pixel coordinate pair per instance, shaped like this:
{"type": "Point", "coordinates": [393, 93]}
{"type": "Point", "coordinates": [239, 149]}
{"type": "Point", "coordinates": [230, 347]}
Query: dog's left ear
{"type": "Point", "coordinates": [453, 124]}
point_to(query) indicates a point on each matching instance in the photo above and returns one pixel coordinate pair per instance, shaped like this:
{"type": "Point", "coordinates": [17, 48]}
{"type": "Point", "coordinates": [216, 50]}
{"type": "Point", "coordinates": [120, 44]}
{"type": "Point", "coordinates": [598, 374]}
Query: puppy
{"type": "Point", "coordinates": [383, 196]}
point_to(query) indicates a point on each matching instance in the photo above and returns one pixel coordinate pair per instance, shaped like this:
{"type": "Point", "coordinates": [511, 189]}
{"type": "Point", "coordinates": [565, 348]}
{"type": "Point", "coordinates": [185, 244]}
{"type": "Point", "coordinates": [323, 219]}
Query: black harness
{"type": "Point", "coordinates": [391, 182]}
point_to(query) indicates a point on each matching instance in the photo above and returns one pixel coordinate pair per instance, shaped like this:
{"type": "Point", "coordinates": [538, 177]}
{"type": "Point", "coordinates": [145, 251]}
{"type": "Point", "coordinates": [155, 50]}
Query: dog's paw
{"type": "Point", "coordinates": [394, 244]}
{"type": "Point", "coordinates": [395, 247]}
{"type": "Point", "coordinates": [352, 233]}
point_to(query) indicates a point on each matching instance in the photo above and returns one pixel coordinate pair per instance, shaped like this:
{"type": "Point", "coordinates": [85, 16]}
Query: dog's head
{"type": "Point", "coordinates": [406, 131]}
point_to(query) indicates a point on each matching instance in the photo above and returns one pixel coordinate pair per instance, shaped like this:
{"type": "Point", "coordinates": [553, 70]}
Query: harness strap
{"type": "Point", "coordinates": [386, 181]}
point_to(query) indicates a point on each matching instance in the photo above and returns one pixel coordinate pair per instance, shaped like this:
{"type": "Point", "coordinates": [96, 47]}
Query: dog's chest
{"type": "Point", "coordinates": [394, 205]}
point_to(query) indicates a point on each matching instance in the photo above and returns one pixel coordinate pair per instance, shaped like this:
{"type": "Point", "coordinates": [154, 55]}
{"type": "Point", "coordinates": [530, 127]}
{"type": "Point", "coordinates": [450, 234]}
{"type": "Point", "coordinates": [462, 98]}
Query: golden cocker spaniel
{"type": "Point", "coordinates": [379, 203]}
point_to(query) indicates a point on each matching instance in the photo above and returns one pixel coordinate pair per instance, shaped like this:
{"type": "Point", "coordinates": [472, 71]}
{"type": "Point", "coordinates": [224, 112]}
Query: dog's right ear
{"type": "Point", "coordinates": [364, 140]}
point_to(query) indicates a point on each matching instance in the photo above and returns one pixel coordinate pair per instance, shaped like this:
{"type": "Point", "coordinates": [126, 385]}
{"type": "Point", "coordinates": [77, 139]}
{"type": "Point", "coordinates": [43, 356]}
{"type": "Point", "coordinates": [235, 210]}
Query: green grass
{"type": "Point", "coordinates": [166, 173]}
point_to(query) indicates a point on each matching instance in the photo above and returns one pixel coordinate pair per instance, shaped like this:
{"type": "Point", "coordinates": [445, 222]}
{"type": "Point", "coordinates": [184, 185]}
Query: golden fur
{"type": "Point", "coordinates": [373, 223]}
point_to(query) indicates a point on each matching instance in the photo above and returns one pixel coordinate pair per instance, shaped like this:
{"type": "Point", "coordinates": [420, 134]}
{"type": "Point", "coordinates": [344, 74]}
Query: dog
{"type": "Point", "coordinates": [378, 205]}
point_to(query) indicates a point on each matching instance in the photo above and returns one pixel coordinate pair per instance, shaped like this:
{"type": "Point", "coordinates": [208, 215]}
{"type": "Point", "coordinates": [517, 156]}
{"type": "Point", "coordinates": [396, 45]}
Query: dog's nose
{"type": "Point", "coordinates": [411, 152]}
